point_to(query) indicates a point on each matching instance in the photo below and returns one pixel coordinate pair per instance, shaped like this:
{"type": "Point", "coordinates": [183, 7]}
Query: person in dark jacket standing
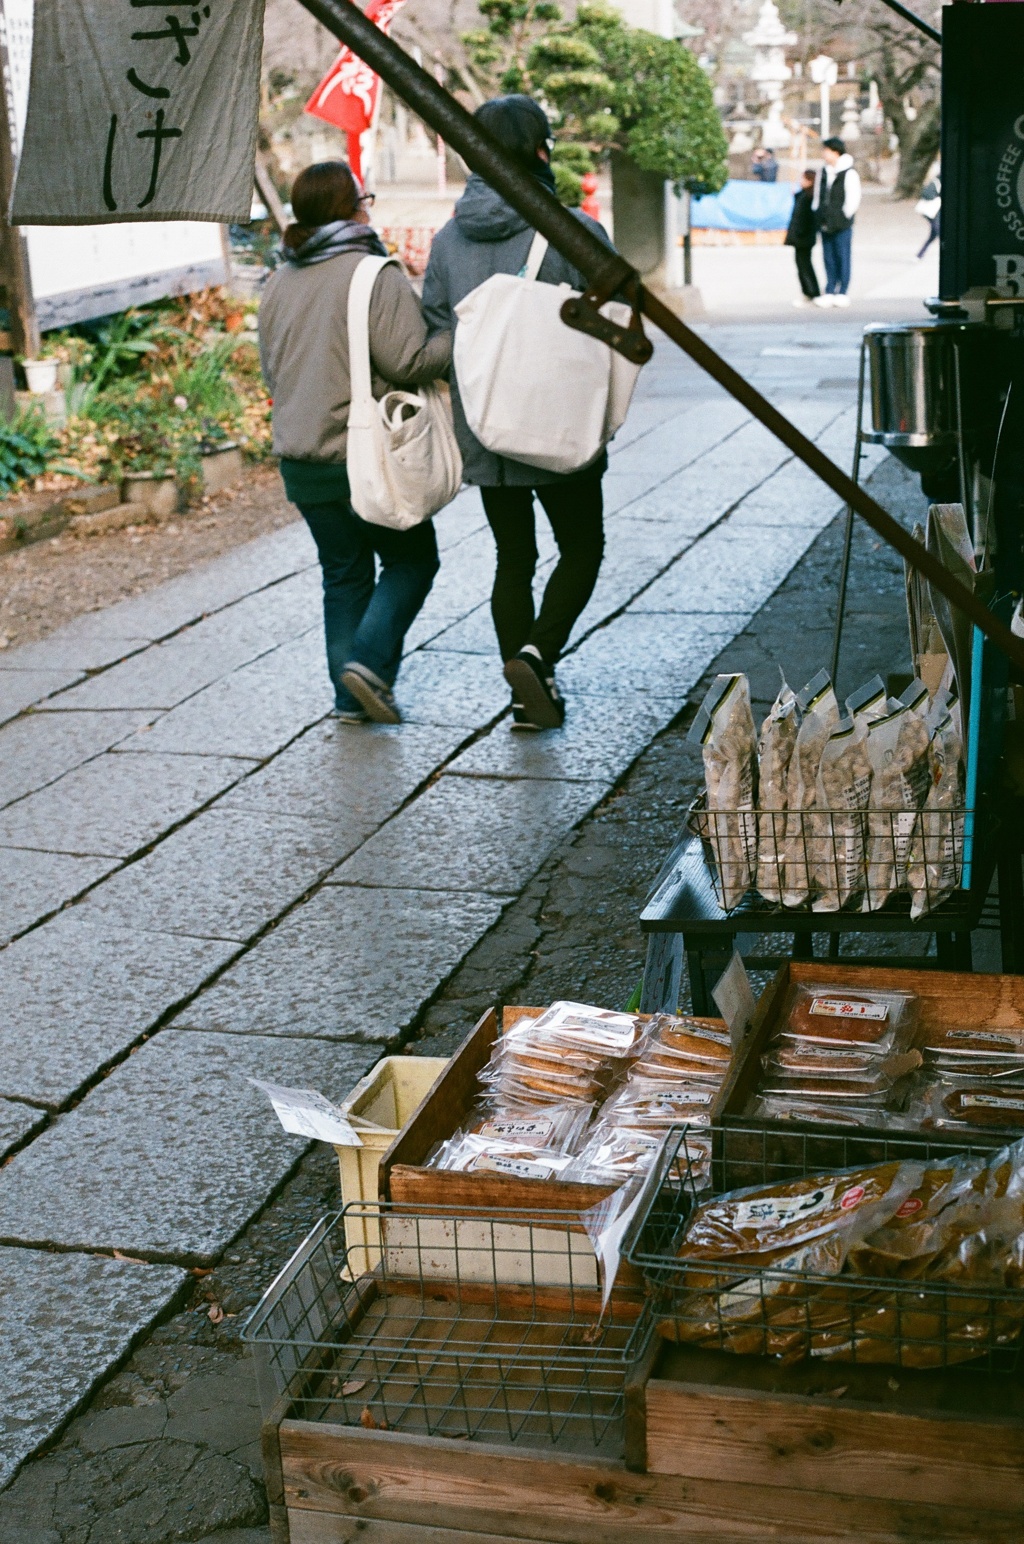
{"type": "Point", "coordinates": [486, 236]}
{"type": "Point", "coordinates": [801, 236]}
{"type": "Point", "coordinates": [836, 201]}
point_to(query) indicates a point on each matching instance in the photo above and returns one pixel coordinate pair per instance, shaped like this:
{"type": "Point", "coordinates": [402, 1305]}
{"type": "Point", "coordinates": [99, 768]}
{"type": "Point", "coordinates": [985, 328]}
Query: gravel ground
{"type": "Point", "coordinates": [166, 1451]}
{"type": "Point", "coordinates": [51, 582]}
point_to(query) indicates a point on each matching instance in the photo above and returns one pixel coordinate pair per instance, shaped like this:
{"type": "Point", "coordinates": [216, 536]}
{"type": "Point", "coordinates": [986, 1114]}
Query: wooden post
{"type": "Point", "coordinates": [14, 267]}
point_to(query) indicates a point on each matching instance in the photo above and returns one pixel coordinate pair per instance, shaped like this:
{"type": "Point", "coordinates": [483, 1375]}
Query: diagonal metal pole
{"type": "Point", "coordinates": [607, 272]}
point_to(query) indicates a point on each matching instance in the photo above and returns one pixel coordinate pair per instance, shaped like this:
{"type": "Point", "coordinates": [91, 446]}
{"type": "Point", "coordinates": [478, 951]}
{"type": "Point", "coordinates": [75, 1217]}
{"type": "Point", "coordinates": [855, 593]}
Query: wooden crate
{"type": "Point", "coordinates": [736, 1450]}
{"type": "Point", "coordinates": [403, 1175]}
{"type": "Point", "coordinates": [958, 998]}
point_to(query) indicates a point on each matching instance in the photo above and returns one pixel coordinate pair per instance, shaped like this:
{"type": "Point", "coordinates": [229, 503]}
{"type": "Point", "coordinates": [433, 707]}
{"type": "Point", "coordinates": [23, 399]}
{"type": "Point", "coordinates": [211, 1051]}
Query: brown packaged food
{"type": "Point", "coordinates": [835, 1015]}
{"type": "Point", "coordinates": [748, 1224]}
{"type": "Point", "coordinates": [986, 1106]}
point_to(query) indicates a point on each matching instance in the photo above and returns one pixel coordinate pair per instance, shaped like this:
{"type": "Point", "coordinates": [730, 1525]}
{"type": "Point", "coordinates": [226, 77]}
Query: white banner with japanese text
{"type": "Point", "coordinates": [140, 110]}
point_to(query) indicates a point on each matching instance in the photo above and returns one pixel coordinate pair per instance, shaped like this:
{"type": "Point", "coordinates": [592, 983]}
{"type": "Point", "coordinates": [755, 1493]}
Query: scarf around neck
{"type": "Point", "coordinates": [333, 240]}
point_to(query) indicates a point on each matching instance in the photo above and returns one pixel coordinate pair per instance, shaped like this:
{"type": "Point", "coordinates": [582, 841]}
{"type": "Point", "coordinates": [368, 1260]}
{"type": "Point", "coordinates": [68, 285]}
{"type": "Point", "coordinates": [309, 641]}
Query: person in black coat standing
{"type": "Point", "coordinates": [801, 236]}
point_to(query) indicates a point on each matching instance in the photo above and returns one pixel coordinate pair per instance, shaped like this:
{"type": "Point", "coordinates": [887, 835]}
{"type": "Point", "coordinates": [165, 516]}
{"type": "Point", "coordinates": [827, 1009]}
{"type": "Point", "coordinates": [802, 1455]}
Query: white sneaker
{"type": "Point", "coordinates": [840, 300]}
{"type": "Point", "coordinates": [823, 300]}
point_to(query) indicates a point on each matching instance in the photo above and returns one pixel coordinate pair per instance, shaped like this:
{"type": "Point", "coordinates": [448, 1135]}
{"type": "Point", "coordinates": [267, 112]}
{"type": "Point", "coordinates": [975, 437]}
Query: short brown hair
{"type": "Point", "coordinates": [323, 193]}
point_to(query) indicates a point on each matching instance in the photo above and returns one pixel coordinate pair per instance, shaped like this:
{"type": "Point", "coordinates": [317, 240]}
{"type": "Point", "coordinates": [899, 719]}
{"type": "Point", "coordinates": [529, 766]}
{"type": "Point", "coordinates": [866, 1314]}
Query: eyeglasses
{"type": "Point", "coordinates": [367, 200]}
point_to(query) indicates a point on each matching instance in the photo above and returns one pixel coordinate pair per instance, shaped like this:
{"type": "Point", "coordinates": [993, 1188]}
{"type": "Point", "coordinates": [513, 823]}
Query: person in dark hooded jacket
{"type": "Point", "coordinates": [487, 236]}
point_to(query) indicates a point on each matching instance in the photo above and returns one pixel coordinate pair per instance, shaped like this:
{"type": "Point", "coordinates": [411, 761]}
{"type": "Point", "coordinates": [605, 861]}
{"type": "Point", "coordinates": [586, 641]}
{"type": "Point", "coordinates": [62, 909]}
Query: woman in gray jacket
{"type": "Point", "coordinates": [304, 353]}
{"type": "Point", "coordinates": [487, 236]}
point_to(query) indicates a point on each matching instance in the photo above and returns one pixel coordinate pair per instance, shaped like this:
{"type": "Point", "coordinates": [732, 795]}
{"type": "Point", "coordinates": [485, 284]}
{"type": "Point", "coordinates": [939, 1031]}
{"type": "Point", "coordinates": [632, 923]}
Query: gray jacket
{"type": "Point", "coordinates": [487, 236]}
{"type": "Point", "coordinates": [304, 351]}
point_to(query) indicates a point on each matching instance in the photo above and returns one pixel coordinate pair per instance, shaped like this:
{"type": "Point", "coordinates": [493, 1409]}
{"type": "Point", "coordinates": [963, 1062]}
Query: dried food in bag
{"type": "Point", "coordinates": [615, 1153]}
{"type": "Point", "coordinates": [654, 1103]}
{"type": "Point", "coordinates": [868, 701]}
{"type": "Point", "coordinates": [983, 1105]}
{"type": "Point", "coordinates": [972, 1046]}
{"type": "Point", "coordinates": [584, 1027]}
{"type": "Point", "coordinates": [819, 716]}
{"type": "Point", "coordinates": [936, 849]}
{"type": "Point", "coordinates": [775, 746]}
{"type": "Point", "coordinates": [558, 1127]}
{"type": "Point", "coordinates": [839, 822]}
{"type": "Point", "coordinates": [866, 1017]}
{"type": "Point", "coordinates": [791, 1107]}
{"type": "Point", "coordinates": [470, 1154]}
{"type": "Point", "coordinates": [724, 729]}
{"type": "Point", "coordinates": [766, 1222]}
{"type": "Point", "coordinates": [898, 750]}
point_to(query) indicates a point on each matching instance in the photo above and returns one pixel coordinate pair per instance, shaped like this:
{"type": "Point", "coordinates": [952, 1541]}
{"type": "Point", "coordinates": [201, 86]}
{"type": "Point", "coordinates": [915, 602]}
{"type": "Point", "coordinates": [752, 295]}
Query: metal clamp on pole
{"type": "Point", "coordinates": [584, 313]}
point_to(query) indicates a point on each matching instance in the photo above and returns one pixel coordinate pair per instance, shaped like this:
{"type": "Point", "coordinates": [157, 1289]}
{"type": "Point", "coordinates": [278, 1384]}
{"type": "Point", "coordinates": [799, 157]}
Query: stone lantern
{"type": "Point", "coordinates": [770, 72]}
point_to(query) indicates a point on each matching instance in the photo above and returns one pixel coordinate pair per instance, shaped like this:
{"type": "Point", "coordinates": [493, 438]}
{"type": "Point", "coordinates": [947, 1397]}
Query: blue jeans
{"type": "Point", "coordinates": [836, 251]}
{"type": "Point", "coordinates": [366, 616]}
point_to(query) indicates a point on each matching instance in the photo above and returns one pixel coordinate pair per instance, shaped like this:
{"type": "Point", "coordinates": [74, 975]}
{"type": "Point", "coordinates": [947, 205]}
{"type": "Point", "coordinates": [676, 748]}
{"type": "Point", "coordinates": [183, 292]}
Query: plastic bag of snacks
{"type": "Point", "coordinates": [865, 1018]}
{"type": "Point", "coordinates": [839, 823]}
{"type": "Point", "coordinates": [724, 729]}
{"type": "Point", "coordinates": [470, 1154]}
{"type": "Point", "coordinates": [775, 746]}
{"type": "Point", "coordinates": [898, 749]}
{"type": "Point", "coordinates": [825, 1112]}
{"type": "Point", "coordinates": [819, 716]}
{"type": "Point", "coordinates": [571, 1053]}
{"type": "Point", "coordinates": [936, 849]}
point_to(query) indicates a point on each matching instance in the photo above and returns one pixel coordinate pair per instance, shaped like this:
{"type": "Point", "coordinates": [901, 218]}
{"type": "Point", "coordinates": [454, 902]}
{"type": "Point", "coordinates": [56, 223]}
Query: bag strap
{"type": "Point", "coordinates": [359, 294]}
{"type": "Point", "coordinates": [536, 255]}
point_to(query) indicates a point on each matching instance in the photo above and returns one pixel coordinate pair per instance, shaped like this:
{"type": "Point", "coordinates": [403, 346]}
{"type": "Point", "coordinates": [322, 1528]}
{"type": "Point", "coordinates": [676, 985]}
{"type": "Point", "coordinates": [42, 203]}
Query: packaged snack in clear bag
{"type": "Point", "coordinates": [947, 1105]}
{"type": "Point", "coordinates": [615, 1154]}
{"type": "Point", "coordinates": [790, 1107]}
{"type": "Point", "coordinates": [839, 821]}
{"type": "Point", "coordinates": [775, 746]}
{"type": "Point", "coordinates": [936, 848]}
{"type": "Point", "coordinates": [652, 1104]}
{"type": "Point", "coordinates": [898, 750]}
{"type": "Point", "coordinates": [580, 1026]}
{"type": "Point", "coordinates": [558, 1128]}
{"type": "Point", "coordinates": [468, 1153]}
{"type": "Point", "coordinates": [724, 729]}
{"type": "Point", "coordinates": [867, 1018]}
{"type": "Point", "coordinates": [819, 715]}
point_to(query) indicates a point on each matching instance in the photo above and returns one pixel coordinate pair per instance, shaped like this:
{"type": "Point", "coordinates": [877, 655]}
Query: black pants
{"type": "Point", "coordinates": [805, 272]}
{"type": "Point", "coordinates": [575, 509]}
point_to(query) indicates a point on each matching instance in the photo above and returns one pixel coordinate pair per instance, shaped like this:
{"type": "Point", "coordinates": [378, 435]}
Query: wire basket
{"type": "Point", "coordinates": [794, 1315]}
{"type": "Point", "coordinates": [834, 859]}
{"type": "Point", "coordinates": [472, 1324]}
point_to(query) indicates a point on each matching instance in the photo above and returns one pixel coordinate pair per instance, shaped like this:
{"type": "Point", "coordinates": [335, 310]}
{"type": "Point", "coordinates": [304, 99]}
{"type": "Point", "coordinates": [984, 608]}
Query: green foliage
{"type": "Point", "coordinates": [618, 87]}
{"type": "Point", "coordinates": [27, 447]}
{"type": "Point", "coordinates": [576, 157]}
{"type": "Point", "coordinates": [497, 54]}
{"type": "Point", "coordinates": [568, 187]}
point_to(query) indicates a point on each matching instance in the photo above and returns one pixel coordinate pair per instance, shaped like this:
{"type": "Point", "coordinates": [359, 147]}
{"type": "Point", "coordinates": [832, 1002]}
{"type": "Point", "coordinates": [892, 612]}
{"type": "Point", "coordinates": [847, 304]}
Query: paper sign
{"type": "Point", "coordinates": [140, 111]}
{"type": "Point", "coordinates": [306, 1113]}
{"type": "Point", "coordinates": [734, 998]}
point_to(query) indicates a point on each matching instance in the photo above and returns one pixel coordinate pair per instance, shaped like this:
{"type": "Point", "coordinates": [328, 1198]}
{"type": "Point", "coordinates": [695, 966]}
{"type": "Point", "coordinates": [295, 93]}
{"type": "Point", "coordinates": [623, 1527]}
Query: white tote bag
{"type": "Point", "coordinates": [403, 460]}
{"type": "Point", "coordinates": [532, 388]}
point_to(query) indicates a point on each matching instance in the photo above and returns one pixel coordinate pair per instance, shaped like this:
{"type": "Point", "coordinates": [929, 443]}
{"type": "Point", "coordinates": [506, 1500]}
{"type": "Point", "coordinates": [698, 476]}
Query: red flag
{"type": "Point", "coordinates": [347, 96]}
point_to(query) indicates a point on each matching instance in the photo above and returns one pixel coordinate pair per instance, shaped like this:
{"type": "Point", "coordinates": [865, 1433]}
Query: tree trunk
{"type": "Point", "coordinates": [919, 145]}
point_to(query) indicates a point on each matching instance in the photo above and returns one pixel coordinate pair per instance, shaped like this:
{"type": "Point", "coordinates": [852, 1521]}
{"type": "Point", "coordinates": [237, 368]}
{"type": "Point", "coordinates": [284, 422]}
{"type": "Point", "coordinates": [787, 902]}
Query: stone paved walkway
{"type": "Point", "coordinates": [205, 878]}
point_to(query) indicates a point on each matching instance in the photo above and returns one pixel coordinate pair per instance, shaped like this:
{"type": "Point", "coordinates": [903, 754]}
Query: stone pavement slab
{"type": "Point", "coordinates": [74, 653]}
{"type": "Point", "coordinates": [115, 804]}
{"type": "Point", "coordinates": [477, 834]}
{"type": "Point", "coordinates": [255, 711]}
{"type": "Point", "coordinates": [657, 655]}
{"type": "Point", "coordinates": [349, 964]}
{"type": "Point", "coordinates": [17, 1121]}
{"type": "Point", "coordinates": [161, 677]}
{"type": "Point", "coordinates": [224, 580]}
{"type": "Point", "coordinates": [437, 686]}
{"type": "Point", "coordinates": [174, 1152]}
{"type": "Point", "coordinates": [32, 884]}
{"type": "Point", "coordinates": [63, 1319]}
{"type": "Point", "coordinates": [19, 689]}
{"type": "Point", "coordinates": [603, 732]}
{"type": "Point", "coordinates": [75, 997]}
{"type": "Point", "coordinates": [225, 874]}
{"type": "Point", "coordinates": [353, 775]}
{"type": "Point", "coordinates": [37, 748]}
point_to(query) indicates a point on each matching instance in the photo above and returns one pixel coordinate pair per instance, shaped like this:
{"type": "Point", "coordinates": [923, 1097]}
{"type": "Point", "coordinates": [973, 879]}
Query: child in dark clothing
{"type": "Point", "coordinates": [801, 236]}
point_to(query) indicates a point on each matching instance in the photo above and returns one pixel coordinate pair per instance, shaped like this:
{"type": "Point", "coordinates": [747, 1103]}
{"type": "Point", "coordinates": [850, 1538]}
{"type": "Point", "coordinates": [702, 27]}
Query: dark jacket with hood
{"type": "Point", "coordinates": [803, 223]}
{"type": "Point", "coordinates": [487, 236]}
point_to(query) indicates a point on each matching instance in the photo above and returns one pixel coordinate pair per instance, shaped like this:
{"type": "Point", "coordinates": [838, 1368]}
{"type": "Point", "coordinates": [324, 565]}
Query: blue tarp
{"type": "Point", "coordinates": [745, 206]}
